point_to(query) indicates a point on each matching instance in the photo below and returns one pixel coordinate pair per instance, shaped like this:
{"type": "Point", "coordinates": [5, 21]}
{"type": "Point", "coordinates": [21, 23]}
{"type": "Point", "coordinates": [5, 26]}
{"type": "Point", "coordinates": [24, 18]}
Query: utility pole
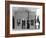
{"type": "Point", "coordinates": [28, 25]}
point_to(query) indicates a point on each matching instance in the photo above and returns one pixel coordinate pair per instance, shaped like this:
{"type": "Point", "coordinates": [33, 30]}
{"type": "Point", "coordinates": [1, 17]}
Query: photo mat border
{"type": "Point", "coordinates": [38, 13]}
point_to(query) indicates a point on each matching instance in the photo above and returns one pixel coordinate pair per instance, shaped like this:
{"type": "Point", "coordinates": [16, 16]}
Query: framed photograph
{"type": "Point", "coordinates": [24, 18]}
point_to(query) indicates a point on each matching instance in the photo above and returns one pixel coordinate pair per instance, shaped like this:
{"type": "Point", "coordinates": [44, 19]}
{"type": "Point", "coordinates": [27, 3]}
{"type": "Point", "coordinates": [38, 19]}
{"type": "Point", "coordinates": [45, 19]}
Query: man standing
{"type": "Point", "coordinates": [28, 25]}
{"type": "Point", "coordinates": [23, 23]}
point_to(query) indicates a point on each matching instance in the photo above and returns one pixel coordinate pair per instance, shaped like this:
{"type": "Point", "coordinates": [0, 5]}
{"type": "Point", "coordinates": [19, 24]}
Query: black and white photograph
{"type": "Point", "coordinates": [24, 18]}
